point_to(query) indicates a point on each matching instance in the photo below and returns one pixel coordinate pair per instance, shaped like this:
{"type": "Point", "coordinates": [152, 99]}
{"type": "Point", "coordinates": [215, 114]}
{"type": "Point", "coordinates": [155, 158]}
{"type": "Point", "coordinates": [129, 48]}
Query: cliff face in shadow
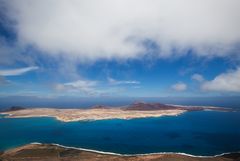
{"type": "Point", "coordinates": [47, 152]}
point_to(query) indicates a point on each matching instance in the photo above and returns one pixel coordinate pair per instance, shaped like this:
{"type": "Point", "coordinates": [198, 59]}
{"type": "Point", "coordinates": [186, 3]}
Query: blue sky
{"type": "Point", "coordinates": [87, 49]}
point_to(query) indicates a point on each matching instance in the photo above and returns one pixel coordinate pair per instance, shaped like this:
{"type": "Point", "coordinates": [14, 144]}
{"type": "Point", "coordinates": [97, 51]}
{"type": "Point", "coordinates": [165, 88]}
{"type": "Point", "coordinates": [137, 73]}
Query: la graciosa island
{"type": "Point", "coordinates": [135, 110]}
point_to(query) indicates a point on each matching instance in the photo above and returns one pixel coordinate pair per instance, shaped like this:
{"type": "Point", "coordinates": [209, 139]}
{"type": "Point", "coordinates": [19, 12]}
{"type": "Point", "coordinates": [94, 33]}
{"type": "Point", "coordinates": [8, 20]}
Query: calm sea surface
{"type": "Point", "coordinates": [197, 133]}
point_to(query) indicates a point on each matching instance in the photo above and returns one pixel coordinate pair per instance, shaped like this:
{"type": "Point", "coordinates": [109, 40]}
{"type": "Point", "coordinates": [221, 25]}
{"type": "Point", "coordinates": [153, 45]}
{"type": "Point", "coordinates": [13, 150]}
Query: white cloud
{"type": "Point", "coordinates": [108, 29]}
{"type": "Point", "coordinates": [197, 77]}
{"type": "Point", "coordinates": [226, 82]}
{"type": "Point", "coordinates": [19, 71]}
{"type": "Point", "coordinates": [179, 86]}
{"type": "Point", "coordinates": [89, 87]}
{"type": "Point", "coordinates": [85, 86]}
{"type": "Point", "coordinates": [119, 82]}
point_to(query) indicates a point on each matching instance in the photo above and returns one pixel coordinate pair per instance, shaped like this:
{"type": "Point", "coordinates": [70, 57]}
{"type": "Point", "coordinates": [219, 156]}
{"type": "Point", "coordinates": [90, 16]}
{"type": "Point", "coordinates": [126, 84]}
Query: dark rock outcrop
{"type": "Point", "coordinates": [100, 107]}
{"type": "Point", "coordinates": [142, 106]}
{"type": "Point", "coordinates": [13, 108]}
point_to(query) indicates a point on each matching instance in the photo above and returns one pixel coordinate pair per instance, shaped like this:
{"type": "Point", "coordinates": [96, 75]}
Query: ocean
{"type": "Point", "coordinates": [204, 133]}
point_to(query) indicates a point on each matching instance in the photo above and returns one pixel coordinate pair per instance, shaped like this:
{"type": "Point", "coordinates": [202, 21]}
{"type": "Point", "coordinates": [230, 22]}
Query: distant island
{"type": "Point", "coordinates": [99, 112]}
{"type": "Point", "coordinates": [47, 152]}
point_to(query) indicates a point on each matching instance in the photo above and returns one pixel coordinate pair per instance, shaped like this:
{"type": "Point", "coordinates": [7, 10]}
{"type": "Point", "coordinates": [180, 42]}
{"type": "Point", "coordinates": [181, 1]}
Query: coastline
{"type": "Point", "coordinates": [133, 155]}
{"type": "Point", "coordinates": [55, 152]}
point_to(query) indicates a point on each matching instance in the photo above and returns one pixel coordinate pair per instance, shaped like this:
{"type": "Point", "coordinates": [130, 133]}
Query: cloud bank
{"type": "Point", "coordinates": [226, 82]}
{"type": "Point", "coordinates": [107, 29]}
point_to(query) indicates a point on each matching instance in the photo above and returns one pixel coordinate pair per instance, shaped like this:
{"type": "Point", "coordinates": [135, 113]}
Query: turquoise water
{"type": "Point", "coordinates": [197, 133]}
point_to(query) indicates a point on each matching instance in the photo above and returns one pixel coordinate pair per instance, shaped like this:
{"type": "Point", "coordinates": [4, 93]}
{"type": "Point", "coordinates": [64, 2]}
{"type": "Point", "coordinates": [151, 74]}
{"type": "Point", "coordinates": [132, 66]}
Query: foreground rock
{"type": "Point", "coordinates": [46, 152]}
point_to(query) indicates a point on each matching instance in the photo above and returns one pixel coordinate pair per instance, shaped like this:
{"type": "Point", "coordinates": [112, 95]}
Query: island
{"type": "Point", "coordinates": [53, 152]}
{"type": "Point", "coordinates": [135, 110]}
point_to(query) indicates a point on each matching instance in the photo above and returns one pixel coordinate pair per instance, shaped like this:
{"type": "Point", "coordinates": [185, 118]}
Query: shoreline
{"type": "Point", "coordinates": [55, 152]}
{"type": "Point", "coordinates": [133, 155]}
{"type": "Point", "coordinates": [6, 115]}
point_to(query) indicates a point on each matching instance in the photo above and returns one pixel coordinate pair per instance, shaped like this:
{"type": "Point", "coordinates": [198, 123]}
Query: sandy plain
{"type": "Point", "coordinates": [67, 115]}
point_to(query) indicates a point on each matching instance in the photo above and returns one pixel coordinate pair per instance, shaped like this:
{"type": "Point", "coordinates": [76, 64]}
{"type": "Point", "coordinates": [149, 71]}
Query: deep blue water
{"type": "Point", "coordinates": [197, 133]}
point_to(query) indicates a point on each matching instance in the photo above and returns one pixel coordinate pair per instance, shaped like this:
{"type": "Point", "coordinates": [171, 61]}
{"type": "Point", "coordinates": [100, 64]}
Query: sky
{"type": "Point", "coordinates": [119, 48]}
